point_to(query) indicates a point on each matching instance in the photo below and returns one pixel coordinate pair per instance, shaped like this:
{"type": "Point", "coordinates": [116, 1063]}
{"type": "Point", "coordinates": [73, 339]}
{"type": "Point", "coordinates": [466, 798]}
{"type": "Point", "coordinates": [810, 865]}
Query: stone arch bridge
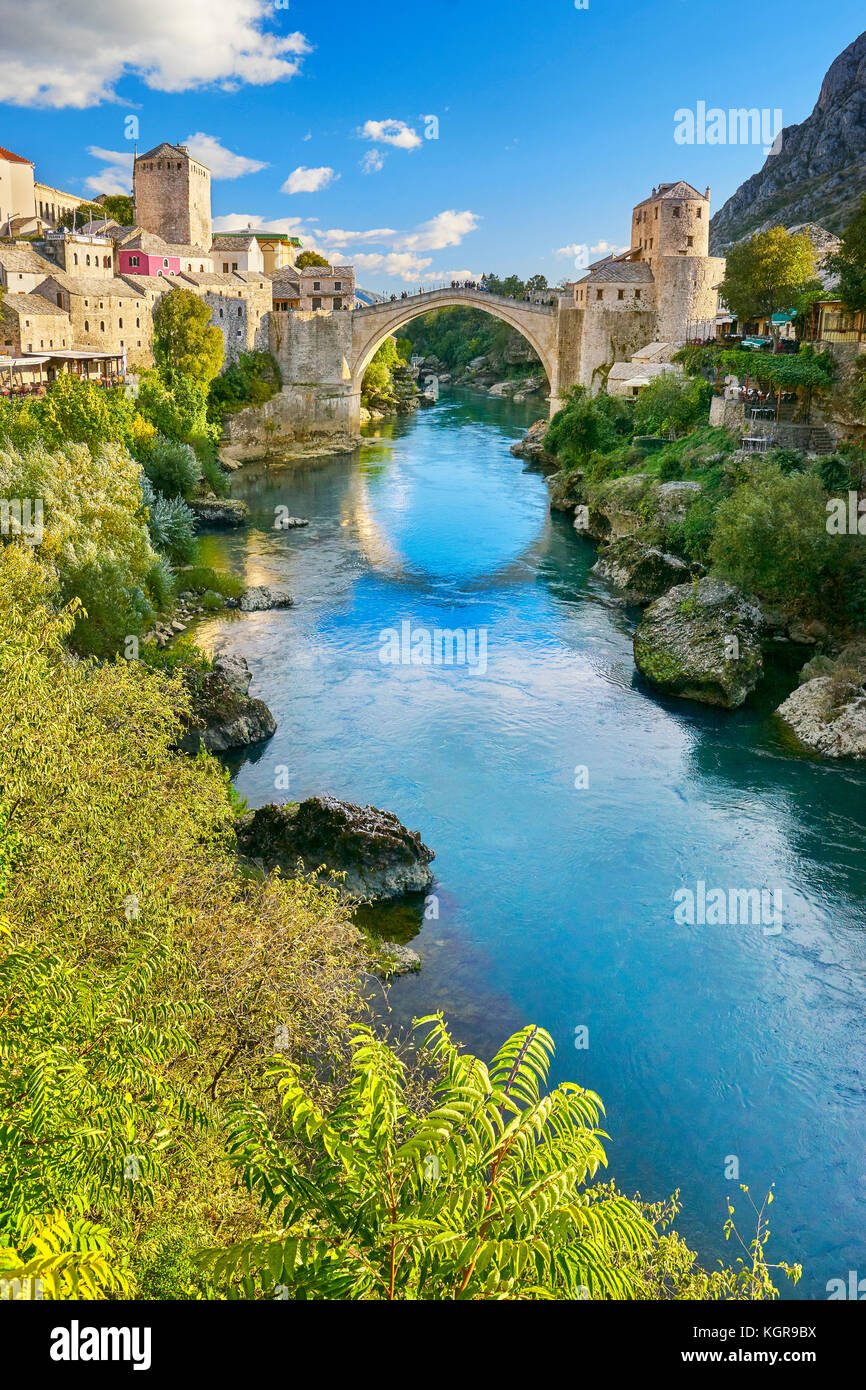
{"type": "Point", "coordinates": [323, 358]}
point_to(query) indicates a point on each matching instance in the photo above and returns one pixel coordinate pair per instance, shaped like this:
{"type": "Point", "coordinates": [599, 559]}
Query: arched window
{"type": "Point", "coordinates": [102, 326]}
{"type": "Point", "coordinates": [120, 323]}
{"type": "Point", "coordinates": [86, 326]}
{"type": "Point", "coordinates": [87, 262]}
{"type": "Point", "coordinates": [75, 258]}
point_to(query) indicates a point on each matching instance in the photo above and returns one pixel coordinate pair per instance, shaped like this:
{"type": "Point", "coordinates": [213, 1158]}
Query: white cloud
{"type": "Point", "coordinates": [403, 265]}
{"type": "Point", "coordinates": [240, 221]}
{"type": "Point", "coordinates": [391, 132]}
{"type": "Point", "coordinates": [75, 54]}
{"type": "Point", "coordinates": [372, 162]}
{"type": "Point", "coordinates": [445, 229]}
{"type": "Point", "coordinates": [341, 238]}
{"type": "Point", "coordinates": [571, 250]}
{"type": "Point", "coordinates": [221, 162]}
{"type": "Point", "coordinates": [116, 176]}
{"type": "Point", "coordinates": [606, 248]}
{"type": "Point", "coordinates": [303, 180]}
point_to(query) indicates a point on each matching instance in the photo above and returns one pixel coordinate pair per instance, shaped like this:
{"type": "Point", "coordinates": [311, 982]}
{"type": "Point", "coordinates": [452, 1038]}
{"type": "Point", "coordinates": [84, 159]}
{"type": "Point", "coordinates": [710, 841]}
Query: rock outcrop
{"type": "Point", "coordinates": [219, 511]}
{"type": "Point", "coordinates": [820, 170]}
{"type": "Point", "coordinates": [639, 572]}
{"type": "Point", "coordinates": [259, 599]}
{"type": "Point", "coordinates": [379, 857]}
{"type": "Point", "coordinates": [701, 642]}
{"type": "Point", "coordinates": [223, 714]}
{"type": "Point", "coordinates": [566, 490]}
{"type": "Point", "coordinates": [827, 714]}
{"type": "Point", "coordinates": [531, 446]}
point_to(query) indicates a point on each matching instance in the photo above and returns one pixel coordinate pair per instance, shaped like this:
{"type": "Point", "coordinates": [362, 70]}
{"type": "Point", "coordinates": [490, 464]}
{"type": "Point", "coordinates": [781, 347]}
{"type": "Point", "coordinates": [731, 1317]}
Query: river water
{"type": "Point", "coordinates": [567, 806]}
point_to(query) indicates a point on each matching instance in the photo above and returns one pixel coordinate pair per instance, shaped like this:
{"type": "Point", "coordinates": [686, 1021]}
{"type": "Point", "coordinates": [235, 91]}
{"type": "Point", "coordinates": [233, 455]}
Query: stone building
{"type": "Point", "coordinates": [140, 252]}
{"type": "Point", "coordinates": [316, 288]}
{"type": "Point", "coordinates": [22, 268]}
{"type": "Point", "coordinates": [240, 305]}
{"type": "Point", "coordinates": [80, 253]}
{"type": "Point", "coordinates": [30, 323]}
{"type": "Point", "coordinates": [171, 193]}
{"type": "Point", "coordinates": [237, 251]}
{"type": "Point", "coordinates": [663, 289]}
{"type": "Point", "coordinates": [108, 314]}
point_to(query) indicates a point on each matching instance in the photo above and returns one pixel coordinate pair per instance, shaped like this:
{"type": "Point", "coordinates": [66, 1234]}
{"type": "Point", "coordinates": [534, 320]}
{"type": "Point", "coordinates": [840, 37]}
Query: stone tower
{"type": "Point", "coordinates": [171, 191]}
{"type": "Point", "coordinates": [670, 230]}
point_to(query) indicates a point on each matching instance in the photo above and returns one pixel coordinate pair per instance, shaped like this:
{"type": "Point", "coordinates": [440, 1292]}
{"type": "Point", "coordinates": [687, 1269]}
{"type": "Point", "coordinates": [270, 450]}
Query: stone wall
{"type": "Point", "coordinates": [612, 333]}
{"type": "Point", "coordinates": [173, 199]}
{"type": "Point", "coordinates": [686, 293]}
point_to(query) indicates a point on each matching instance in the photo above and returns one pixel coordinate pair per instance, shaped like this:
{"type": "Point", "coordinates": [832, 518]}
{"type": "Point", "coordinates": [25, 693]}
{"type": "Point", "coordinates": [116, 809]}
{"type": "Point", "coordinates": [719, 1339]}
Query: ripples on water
{"type": "Point", "coordinates": [556, 904]}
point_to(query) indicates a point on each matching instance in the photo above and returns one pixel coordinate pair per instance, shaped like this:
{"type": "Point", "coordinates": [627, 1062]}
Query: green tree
{"type": "Point", "coordinates": [670, 403]}
{"type": "Point", "coordinates": [488, 1195]}
{"type": "Point", "coordinates": [120, 207]}
{"type": "Point", "coordinates": [175, 405]}
{"type": "Point", "coordinates": [184, 339]}
{"type": "Point", "coordinates": [85, 212]}
{"type": "Point", "coordinates": [849, 262]}
{"type": "Point", "coordinates": [309, 258]}
{"type": "Point", "coordinates": [767, 273]}
{"type": "Point", "coordinates": [587, 425]}
{"type": "Point", "coordinates": [770, 536]}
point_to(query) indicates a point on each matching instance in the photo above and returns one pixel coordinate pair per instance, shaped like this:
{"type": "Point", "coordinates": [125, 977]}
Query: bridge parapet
{"type": "Point", "coordinates": [481, 299]}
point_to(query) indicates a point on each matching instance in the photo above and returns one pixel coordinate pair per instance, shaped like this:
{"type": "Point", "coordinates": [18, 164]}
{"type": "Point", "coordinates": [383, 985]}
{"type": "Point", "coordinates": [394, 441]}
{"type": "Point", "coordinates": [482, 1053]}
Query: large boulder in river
{"type": "Point", "coordinates": [223, 715]}
{"type": "Point", "coordinates": [619, 505]}
{"type": "Point", "coordinates": [639, 572]}
{"type": "Point", "coordinates": [702, 642]}
{"type": "Point", "coordinates": [378, 855]}
{"type": "Point", "coordinates": [531, 446]}
{"type": "Point", "coordinates": [566, 490]}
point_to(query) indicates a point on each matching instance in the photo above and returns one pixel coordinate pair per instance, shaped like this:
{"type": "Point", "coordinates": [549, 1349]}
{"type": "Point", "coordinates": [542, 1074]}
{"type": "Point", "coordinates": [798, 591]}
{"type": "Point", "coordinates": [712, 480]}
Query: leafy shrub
{"type": "Point", "coordinates": [834, 471]}
{"type": "Point", "coordinates": [252, 380]}
{"type": "Point", "coordinates": [788, 460]}
{"type": "Point", "coordinates": [95, 544]}
{"type": "Point", "coordinates": [175, 405]}
{"type": "Point", "coordinates": [172, 528]}
{"type": "Point", "coordinates": [671, 403]}
{"type": "Point", "coordinates": [770, 536]}
{"type": "Point", "coordinates": [172, 467]}
{"type": "Point", "coordinates": [201, 577]}
{"type": "Point", "coordinates": [587, 425]}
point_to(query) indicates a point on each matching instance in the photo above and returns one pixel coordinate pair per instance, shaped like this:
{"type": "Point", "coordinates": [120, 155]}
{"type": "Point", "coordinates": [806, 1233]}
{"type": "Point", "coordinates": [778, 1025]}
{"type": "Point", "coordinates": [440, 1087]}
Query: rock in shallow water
{"type": "Point", "coordinates": [639, 572]}
{"type": "Point", "coordinates": [828, 716]}
{"type": "Point", "coordinates": [259, 599]}
{"type": "Point", "coordinates": [378, 855]}
{"type": "Point", "coordinates": [223, 715]}
{"type": "Point", "coordinates": [701, 642]}
{"type": "Point", "coordinates": [219, 511]}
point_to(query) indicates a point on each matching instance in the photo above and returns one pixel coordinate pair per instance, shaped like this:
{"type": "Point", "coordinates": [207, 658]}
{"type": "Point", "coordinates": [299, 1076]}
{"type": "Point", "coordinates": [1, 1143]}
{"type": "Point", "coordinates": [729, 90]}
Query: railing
{"type": "Point", "coordinates": [474, 296]}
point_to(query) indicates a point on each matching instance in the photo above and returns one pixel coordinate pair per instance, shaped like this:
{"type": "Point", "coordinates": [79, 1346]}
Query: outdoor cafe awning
{"type": "Point", "coordinates": [18, 362]}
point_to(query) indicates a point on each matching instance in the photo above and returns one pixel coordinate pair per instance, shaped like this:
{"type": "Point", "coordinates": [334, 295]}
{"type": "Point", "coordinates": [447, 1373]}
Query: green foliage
{"type": "Point", "coordinates": [309, 258]}
{"type": "Point", "coordinates": [670, 403]}
{"type": "Point", "coordinates": [767, 273]}
{"type": "Point", "coordinates": [175, 405]}
{"type": "Point", "coordinates": [120, 207]}
{"type": "Point", "coordinates": [141, 975]}
{"type": "Point", "coordinates": [185, 342]}
{"type": "Point", "coordinates": [76, 217]}
{"type": "Point", "coordinates": [484, 1196]}
{"type": "Point", "coordinates": [770, 536]}
{"type": "Point", "coordinates": [586, 425]}
{"type": "Point", "coordinates": [95, 545]}
{"type": "Point", "coordinates": [458, 335]}
{"type": "Point", "coordinates": [835, 472]}
{"type": "Point", "coordinates": [79, 410]}
{"type": "Point", "coordinates": [172, 467]}
{"type": "Point", "coordinates": [252, 380]}
{"type": "Point", "coordinates": [171, 526]}
{"type": "Point", "coordinates": [378, 384]}
{"type": "Point", "coordinates": [201, 577]}
{"type": "Point", "coordinates": [849, 262]}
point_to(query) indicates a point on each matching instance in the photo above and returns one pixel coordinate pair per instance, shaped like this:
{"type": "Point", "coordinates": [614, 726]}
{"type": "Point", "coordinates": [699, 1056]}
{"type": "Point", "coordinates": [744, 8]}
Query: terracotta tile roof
{"type": "Point", "coordinates": [11, 158]}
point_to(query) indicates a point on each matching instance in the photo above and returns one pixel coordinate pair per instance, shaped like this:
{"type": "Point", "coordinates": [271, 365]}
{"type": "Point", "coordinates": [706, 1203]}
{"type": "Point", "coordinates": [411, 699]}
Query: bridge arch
{"type": "Point", "coordinates": [537, 323]}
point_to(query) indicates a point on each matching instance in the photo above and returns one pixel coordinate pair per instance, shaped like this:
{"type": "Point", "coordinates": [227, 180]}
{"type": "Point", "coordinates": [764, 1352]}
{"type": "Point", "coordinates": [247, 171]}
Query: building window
{"type": "Point", "coordinates": [106, 262]}
{"type": "Point", "coordinates": [599, 294]}
{"type": "Point", "coordinates": [338, 303]}
{"type": "Point", "coordinates": [165, 263]}
{"type": "Point", "coordinates": [102, 326]}
{"type": "Point", "coordinates": [676, 212]}
{"type": "Point", "coordinates": [120, 323]}
{"type": "Point", "coordinates": [87, 261]}
{"type": "Point", "coordinates": [620, 294]}
{"type": "Point", "coordinates": [338, 284]}
{"type": "Point", "coordinates": [75, 258]}
{"type": "Point", "coordinates": [317, 303]}
{"type": "Point", "coordinates": [138, 323]}
{"type": "Point", "coordinates": [637, 294]}
{"type": "Point", "coordinates": [86, 326]}
{"type": "Point", "coordinates": [240, 310]}
{"type": "Point", "coordinates": [60, 300]}
{"type": "Point", "coordinates": [700, 212]}
{"type": "Point", "coordinates": [234, 265]}
{"type": "Point", "coordinates": [690, 241]}
{"type": "Point", "coordinates": [221, 313]}
{"type": "Point", "coordinates": [225, 267]}
{"type": "Point", "coordinates": [317, 284]}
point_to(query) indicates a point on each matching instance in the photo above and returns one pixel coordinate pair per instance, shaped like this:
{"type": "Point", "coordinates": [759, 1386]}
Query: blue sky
{"type": "Point", "coordinates": [552, 121]}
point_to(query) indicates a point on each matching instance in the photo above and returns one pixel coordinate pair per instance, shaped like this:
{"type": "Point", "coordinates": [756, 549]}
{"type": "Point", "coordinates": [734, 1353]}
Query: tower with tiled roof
{"type": "Point", "coordinates": [172, 196]}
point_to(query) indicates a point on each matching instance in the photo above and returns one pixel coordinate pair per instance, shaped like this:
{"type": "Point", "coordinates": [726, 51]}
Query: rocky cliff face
{"type": "Point", "coordinates": [820, 172]}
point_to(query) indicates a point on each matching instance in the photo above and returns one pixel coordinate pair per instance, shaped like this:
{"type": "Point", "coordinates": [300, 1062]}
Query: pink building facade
{"type": "Point", "coordinates": [137, 262]}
